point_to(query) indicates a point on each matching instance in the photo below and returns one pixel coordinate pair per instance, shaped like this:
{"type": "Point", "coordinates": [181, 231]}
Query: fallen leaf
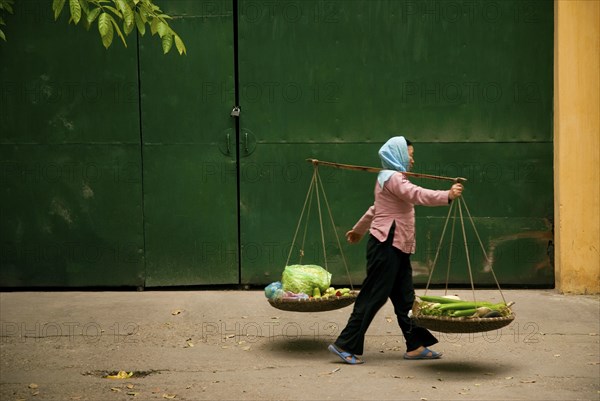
{"type": "Point", "coordinates": [115, 389]}
{"type": "Point", "coordinates": [593, 334]}
{"type": "Point", "coordinates": [188, 387]}
{"type": "Point", "coordinates": [190, 344]}
{"type": "Point", "coordinates": [509, 377]}
{"type": "Point", "coordinates": [388, 319]}
{"type": "Point", "coordinates": [169, 396]}
{"type": "Point", "coordinates": [527, 381]}
{"type": "Point", "coordinates": [246, 348]}
{"type": "Point", "coordinates": [35, 393]}
{"type": "Point", "coordinates": [132, 393]}
{"type": "Point", "coordinates": [556, 355]}
{"type": "Point", "coordinates": [121, 375]}
{"type": "Point", "coordinates": [176, 312]}
{"type": "Point", "coordinates": [33, 385]}
{"type": "Point", "coordinates": [129, 386]}
{"type": "Point", "coordinates": [156, 390]}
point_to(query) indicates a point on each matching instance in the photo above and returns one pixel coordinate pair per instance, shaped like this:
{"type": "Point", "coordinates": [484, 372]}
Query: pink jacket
{"type": "Point", "coordinates": [395, 202]}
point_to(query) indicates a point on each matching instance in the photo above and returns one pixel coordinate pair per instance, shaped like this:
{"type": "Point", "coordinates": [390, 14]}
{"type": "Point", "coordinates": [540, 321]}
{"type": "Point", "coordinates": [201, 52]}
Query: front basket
{"type": "Point", "coordinates": [446, 324]}
{"type": "Point", "coordinates": [314, 305]}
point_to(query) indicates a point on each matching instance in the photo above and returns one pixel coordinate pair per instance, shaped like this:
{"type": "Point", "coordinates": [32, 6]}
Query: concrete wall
{"type": "Point", "coordinates": [577, 145]}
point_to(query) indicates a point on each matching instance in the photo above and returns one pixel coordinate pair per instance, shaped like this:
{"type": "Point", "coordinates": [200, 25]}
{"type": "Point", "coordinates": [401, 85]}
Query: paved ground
{"type": "Point", "coordinates": [232, 345]}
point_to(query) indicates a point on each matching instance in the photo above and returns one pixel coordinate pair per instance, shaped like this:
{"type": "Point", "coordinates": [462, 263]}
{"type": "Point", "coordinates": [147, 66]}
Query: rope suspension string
{"type": "Point", "coordinates": [461, 324]}
{"type": "Point", "coordinates": [458, 205]}
{"type": "Point", "coordinates": [316, 191]}
{"type": "Point", "coordinates": [337, 237]}
{"type": "Point", "coordinates": [462, 223]}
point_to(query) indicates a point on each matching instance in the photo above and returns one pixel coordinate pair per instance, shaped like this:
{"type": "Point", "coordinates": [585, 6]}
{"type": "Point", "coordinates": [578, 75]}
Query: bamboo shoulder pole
{"type": "Point", "coordinates": [377, 170]}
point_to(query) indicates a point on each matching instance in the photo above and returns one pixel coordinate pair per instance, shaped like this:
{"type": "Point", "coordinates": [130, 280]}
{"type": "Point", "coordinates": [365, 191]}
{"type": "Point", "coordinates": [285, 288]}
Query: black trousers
{"type": "Point", "coordinates": [389, 275]}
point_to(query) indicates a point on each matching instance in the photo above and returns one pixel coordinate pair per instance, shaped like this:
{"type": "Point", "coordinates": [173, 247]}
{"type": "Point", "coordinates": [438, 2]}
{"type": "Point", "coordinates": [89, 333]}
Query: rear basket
{"type": "Point", "coordinates": [314, 304]}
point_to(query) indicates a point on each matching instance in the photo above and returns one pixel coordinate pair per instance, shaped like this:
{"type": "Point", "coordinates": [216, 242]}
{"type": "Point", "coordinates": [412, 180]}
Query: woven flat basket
{"type": "Point", "coordinates": [446, 324]}
{"type": "Point", "coordinates": [314, 305]}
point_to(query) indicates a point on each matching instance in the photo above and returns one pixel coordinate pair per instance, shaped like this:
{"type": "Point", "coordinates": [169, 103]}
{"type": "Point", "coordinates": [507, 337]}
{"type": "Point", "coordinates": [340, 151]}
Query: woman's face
{"type": "Point", "coordinates": [411, 152]}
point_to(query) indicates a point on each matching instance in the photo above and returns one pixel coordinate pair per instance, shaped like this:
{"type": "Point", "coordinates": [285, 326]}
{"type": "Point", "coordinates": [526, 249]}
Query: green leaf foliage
{"type": "Point", "coordinates": [5, 6]}
{"type": "Point", "coordinates": [75, 11]}
{"type": "Point", "coordinates": [105, 28]}
{"type": "Point", "coordinates": [122, 16]}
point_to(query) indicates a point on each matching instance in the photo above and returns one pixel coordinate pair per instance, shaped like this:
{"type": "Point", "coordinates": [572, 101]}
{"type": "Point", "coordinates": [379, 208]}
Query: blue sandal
{"type": "Point", "coordinates": [345, 355]}
{"type": "Point", "coordinates": [424, 355]}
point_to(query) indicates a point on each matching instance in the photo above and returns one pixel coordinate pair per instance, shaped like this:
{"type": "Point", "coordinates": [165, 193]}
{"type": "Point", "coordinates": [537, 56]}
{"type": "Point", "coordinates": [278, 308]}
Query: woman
{"type": "Point", "coordinates": [391, 223]}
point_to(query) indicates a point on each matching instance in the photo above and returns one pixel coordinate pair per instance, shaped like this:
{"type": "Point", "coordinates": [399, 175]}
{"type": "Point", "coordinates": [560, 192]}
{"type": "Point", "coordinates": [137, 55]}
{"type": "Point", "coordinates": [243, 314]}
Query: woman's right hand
{"type": "Point", "coordinates": [455, 191]}
{"type": "Point", "coordinates": [353, 237]}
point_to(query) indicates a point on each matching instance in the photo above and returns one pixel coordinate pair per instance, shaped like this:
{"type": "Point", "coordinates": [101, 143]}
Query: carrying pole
{"type": "Point", "coordinates": [377, 170]}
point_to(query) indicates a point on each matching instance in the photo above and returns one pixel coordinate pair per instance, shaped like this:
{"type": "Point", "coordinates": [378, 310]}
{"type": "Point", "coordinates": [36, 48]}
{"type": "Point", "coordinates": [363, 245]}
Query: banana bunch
{"type": "Point", "coordinates": [331, 293]}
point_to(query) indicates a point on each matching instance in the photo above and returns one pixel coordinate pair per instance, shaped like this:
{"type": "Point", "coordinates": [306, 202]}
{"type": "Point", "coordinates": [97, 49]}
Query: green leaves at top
{"type": "Point", "coordinates": [5, 6]}
{"type": "Point", "coordinates": [122, 16]}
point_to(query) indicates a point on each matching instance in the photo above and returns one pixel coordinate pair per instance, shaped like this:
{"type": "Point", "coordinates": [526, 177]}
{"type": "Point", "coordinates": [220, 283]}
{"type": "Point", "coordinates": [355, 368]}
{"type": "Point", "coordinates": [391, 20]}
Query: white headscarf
{"type": "Point", "coordinates": [394, 157]}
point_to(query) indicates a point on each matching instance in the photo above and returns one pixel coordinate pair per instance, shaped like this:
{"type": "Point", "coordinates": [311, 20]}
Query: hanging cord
{"type": "Point", "coordinates": [320, 181]}
{"type": "Point", "coordinates": [316, 175]}
{"type": "Point", "coordinates": [483, 249]}
{"type": "Point", "coordinates": [310, 189]}
{"type": "Point", "coordinates": [437, 252]}
{"type": "Point", "coordinates": [450, 251]}
{"type": "Point", "coordinates": [313, 185]}
{"type": "Point", "coordinates": [462, 223]}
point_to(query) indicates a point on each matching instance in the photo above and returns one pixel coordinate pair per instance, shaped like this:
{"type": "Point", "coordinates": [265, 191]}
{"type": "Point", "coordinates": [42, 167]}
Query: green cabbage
{"type": "Point", "coordinates": [304, 278]}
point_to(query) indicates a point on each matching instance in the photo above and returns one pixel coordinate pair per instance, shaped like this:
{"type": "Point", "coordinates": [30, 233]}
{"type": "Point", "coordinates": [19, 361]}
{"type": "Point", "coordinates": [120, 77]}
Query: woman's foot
{"type": "Point", "coordinates": [346, 356]}
{"type": "Point", "coordinates": [422, 353]}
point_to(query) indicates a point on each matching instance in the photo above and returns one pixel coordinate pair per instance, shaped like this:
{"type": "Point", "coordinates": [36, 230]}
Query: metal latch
{"type": "Point", "coordinates": [235, 112]}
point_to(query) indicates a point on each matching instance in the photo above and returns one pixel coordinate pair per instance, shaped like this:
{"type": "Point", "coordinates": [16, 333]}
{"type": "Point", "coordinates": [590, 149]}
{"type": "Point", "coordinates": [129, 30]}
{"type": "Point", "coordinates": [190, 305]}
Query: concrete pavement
{"type": "Point", "coordinates": [232, 345]}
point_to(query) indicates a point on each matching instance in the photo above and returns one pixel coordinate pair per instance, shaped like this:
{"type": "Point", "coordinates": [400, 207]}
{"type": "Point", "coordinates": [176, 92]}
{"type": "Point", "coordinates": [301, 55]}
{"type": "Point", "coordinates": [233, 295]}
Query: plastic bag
{"type": "Point", "coordinates": [273, 290]}
{"type": "Point", "coordinates": [304, 278]}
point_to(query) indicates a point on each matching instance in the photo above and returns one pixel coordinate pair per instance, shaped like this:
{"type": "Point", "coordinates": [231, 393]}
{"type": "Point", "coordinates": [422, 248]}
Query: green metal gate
{"type": "Point", "coordinates": [188, 150]}
{"type": "Point", "coordinates": [126, 168]}
{"type": "Point", "coordinates": [470, 83]}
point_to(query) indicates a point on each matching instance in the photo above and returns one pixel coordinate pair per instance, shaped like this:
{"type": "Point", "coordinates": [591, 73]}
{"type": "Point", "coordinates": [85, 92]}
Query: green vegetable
{"type": "Point", "coordinates": [464, 305]}
{"type": "Point", "coordinates": [464, 312]}
{"type": "Point", "coordinates": [439, 300]}
{"type": "Point", "coordinates": [304, 278]}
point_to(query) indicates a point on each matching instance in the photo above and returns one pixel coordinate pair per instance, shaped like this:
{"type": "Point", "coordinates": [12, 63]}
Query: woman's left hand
{"type": "Point", "coordinates": [455, 191]}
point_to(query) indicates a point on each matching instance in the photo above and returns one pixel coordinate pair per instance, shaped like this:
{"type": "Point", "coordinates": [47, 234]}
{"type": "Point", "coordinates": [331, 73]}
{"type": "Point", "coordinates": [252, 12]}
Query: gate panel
{"type": "Point", "coordinates": [190, 187]}
{"type": "Point", "coordinates": [469, 82]}
{"type": "Point", "coordinates": [70, 178]}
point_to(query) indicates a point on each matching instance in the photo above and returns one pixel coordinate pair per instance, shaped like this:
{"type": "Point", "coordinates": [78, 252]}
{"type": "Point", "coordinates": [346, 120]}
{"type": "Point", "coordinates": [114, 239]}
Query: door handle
{"type": "Point", "coordinates": [228, 144]}
{"type": "Point", "coordinates": [246, 142]}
